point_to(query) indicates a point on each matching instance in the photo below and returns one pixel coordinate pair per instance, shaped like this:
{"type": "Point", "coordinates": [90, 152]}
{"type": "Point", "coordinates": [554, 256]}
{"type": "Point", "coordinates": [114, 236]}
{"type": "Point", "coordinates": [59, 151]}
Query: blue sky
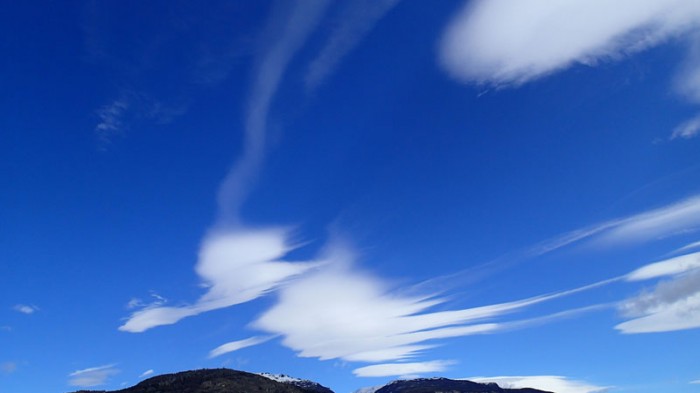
{"type": "Point", "coordinates": [351, 192]}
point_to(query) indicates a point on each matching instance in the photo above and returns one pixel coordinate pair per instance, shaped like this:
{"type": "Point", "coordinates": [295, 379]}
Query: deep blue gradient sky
{"type": "Point", "coordinates": [351, 192]}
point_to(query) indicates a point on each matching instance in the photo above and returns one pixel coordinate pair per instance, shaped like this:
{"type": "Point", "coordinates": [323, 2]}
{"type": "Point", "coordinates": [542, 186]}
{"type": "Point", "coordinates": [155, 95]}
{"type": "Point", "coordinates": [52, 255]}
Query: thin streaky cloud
{"type": "Point", "coordinates": [697, 381]}
{"type": "Point", "coordinates": [403, 369]}
{"type": "Point", "coordinates": [538, 321]}
{"type": "Point", "coordinates": [236, 345]}
{"type": "Point", "coordinates": [356, 20]}
{"type": "Point", "coordinates": [302, 19]}
{"type": "Point", "coordinates": [93, 376]}
{"type": "Point", "coordinates": [668, 267]}
{"type": "Point", "coordinates": [111, 119]}
{"type": "Point", "coordinates": [687, 82]}
{"type": "Point", "coordinates": [658, 223]}
{"type": "Point", "coordinates": [662, 222]}
{"type": "Point", "coordinates": [688, 129]}
{"type": "Point", "coordinates": [687, 247]}
{"type": "Point", "coordinates": [648, 225]}
{"type": "Point", "coordinates": [146, 373]}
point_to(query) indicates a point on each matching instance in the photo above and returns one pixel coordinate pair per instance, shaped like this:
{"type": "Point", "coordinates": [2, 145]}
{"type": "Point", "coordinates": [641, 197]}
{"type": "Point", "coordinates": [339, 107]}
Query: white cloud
{"type": "Point", "coordinates": [146, 373]}
{"type": "Point", "coordinates": [93, 376]}
{"type": "Point", "coordinates": [654, 224]}
{"type": "Point", "coordinates": [236, 267]}
{"type": "Point", "coordinates": [695, 382]}
{"type": "Point", "coordinates": [356, 20]}
{"type": "Point", "coordinates": [687, 81]}
{"type": "Point", "coordinates": [550, 383]}
{"type": "Point", "coordinates": [402, 369]}
{"type": "Point", "coordinates": [667, 267]}
{"type": "Point", "coordinates": [134, 303]}
{"type": "Point", "coordinates": [338, 312]}
{"type": "Point", "coordinates": [687, 247]}
{"type": "Point", "coordinates": [236, 345]}
{"type": "Point", "coordinates": [658, 223]}
{"type": "Point", "coordinates": [25, 309]}
{"type": "Point", "coordinates": [688, 129]}
{"type": "Point", "coordinates": [8, 367]}
{"type": "Point", "coordinates": [156, 301]}
{"type": "Point", "coordinates": [672, 305]}
{"type": "Point", "coordinates": [513, 41]}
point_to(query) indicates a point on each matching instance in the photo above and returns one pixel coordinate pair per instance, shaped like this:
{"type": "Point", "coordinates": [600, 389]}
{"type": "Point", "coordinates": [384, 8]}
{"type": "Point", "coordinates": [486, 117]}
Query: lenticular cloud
{"type": "Point", "coordinates": [509, 42]}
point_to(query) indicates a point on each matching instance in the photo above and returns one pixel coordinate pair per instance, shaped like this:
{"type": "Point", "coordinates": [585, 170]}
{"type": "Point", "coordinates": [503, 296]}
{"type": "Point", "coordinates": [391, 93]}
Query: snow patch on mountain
{"type": "Point", "coordinates": [283, 378]}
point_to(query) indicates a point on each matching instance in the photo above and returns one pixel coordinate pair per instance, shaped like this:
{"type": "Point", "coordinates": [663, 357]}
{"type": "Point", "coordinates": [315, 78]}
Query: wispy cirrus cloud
{"type": "Point", "coordinates": [25, 309]}
{"type": "Point", "coordinates": [111, 119]}
{"type": "Point", "coordinates": [291, 27]}
{"type": "Point", "coordinates": [658, 223]}
{"type": "Point", "coordinates": [668, 267]}
{"type": "Point", "coordinates": [549, 383]}
{"type": "Point", "coordinates": [355, 21]}
{"type": "Point", "coordinates": [403, 369]}
{"type": "Point", "coordinates": [236, 345]}
{"type": "Point", "coordinates": [146, 373]}
{"type": "Point", "coordinates": [654, 224]}
{"type": "Point", "coordinates": [93, 376]}
{"type": "Point", "coordinates": [687, 247]}
{"type": "Point", "coordinates": [688, 129]}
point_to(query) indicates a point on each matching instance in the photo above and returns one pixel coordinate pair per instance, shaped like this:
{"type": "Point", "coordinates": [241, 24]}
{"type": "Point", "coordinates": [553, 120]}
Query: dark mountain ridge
{"type": "Point", "coordinates": [220, 380]}
{"type": "Point", "coordinates": [224, 380]}
{"type": "Point", "coordinates": [445, 385]}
